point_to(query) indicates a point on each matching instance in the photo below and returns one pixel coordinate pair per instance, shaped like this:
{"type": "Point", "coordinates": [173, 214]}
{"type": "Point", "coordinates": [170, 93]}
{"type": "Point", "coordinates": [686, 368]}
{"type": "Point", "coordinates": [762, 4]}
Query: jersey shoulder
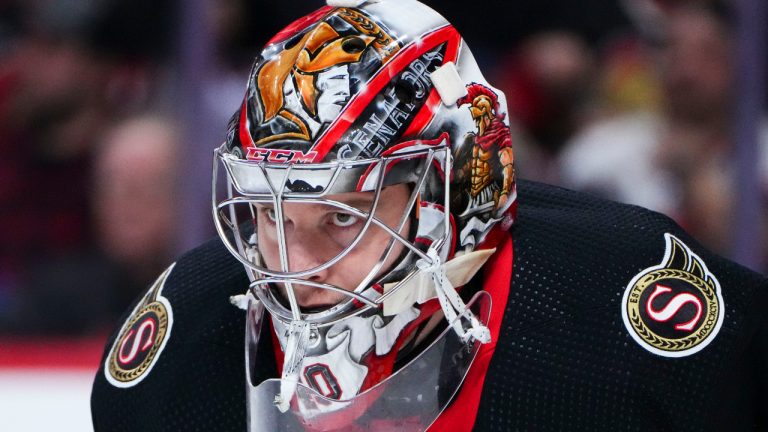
{"type": "Point", "coordinates": [612, 309]}
{"type": "Point", "coordinates": [608, 242]}
{"type": "Point", "coordinates": [176, 361]}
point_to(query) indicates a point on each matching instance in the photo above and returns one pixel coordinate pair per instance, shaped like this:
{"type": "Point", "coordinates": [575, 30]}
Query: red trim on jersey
{"type": "Point", "coordinates": [462, 412]}
{"type": "Point", "coordinates": [402, 59]}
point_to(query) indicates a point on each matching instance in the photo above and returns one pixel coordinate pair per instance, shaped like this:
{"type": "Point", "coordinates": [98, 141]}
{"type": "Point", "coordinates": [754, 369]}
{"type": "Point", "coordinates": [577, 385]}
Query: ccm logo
{"type": "Point", "coordinates": [279, 156]}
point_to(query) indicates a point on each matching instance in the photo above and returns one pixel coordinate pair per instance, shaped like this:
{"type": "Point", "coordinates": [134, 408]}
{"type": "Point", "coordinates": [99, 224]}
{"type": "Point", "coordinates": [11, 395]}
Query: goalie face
{"type": "Point", "coordinates": [315, 233]}
{"type": "Point", "coordinates": [323, 242]}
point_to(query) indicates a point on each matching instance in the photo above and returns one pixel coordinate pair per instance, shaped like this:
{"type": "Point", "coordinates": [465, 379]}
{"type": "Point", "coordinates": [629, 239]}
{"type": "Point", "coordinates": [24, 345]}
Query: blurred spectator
{"type": "Point", "coordinates": [627, 78]}
{"type": "Point", "coordinates": [86, 290]}
{"type": "Point", "coordinates": [548, 83]}
{"type": "Point", "coordinates": [49, 113]}
{"type": "Point", "coordinates": [134, 196]}
{"type": "Point", "coordinates": [678, 160]}
{"type": "Point", "coordinates": [67, 68]}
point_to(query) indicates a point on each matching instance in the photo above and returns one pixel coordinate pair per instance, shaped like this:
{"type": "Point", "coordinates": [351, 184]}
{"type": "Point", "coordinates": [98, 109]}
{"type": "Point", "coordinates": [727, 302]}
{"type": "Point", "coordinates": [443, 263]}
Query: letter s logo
{"type": "Point", "coordinates": [149, 339]}
{"type": "Point", "coordinates": [142, 337]}
{"type": "Point", "coordinates": [673, 307]}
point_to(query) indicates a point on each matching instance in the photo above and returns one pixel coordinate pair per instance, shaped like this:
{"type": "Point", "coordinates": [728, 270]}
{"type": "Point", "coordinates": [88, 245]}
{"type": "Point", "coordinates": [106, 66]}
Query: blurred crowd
{"type": "Point", "coordinates": [629, 99]}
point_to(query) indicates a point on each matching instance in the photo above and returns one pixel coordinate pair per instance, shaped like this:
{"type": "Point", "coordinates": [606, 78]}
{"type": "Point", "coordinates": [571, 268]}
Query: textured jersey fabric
{"type": "Point", "coordinates": [568, 362]}
{"type": "Point", "coordinates": [564, 362]}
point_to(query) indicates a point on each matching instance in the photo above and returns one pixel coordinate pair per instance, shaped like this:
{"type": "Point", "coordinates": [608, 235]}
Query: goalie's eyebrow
{"type": "Point", "coordinates": [360, 202]}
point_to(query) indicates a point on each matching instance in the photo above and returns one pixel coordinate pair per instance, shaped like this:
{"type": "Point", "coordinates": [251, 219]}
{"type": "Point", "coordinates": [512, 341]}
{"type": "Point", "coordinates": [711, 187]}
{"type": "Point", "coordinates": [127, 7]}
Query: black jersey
{"type": "Point", "coordinates": [616, 320]}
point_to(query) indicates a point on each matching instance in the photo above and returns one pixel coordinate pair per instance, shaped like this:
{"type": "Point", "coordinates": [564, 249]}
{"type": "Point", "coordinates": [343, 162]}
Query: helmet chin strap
{"type": "Point", "coordinates": [453, 306]}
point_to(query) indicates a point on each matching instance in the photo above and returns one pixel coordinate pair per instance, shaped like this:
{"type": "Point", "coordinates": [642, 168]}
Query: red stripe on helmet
{"type": "Point", "coordinates": [405, 144]}
{"type": "Point", "coordinates": [424, 116]}
{"type": "Point", "coordinates": [427, 111]}
{"type": "Point", "coordinates": [361, 100]}
{"type": "Point", "coordinates": [246, 140]}
{"type": "Point", "coordinates": [428, 142]}
{"type": "Point", "coordinates": [300, 24]}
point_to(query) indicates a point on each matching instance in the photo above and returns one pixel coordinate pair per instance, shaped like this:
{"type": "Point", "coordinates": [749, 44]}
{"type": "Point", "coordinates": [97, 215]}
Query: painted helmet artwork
{"type": "Point", "coordinates": [374, 117]}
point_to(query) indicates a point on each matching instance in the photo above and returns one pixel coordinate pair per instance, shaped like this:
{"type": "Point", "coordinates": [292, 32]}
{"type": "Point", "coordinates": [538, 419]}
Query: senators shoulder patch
{"type": "Point", "coordinates": [142, 338]}
{"type": "Point", "coordinates": [674, 309]}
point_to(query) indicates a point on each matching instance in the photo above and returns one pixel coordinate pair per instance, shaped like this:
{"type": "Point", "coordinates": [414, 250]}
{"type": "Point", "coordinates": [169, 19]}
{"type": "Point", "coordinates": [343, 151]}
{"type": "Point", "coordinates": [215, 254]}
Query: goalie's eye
{"type": "Point", "coordinates": [268, 213]}
{"type": "Point", "coordinates": [271, 215]}
{"type": "Point", "coordinates": [343, 220]}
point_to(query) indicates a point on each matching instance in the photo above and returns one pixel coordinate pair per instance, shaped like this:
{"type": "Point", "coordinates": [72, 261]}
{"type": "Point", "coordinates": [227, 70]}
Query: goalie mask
{"type": "Point", "coordinates": [369, 175]}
